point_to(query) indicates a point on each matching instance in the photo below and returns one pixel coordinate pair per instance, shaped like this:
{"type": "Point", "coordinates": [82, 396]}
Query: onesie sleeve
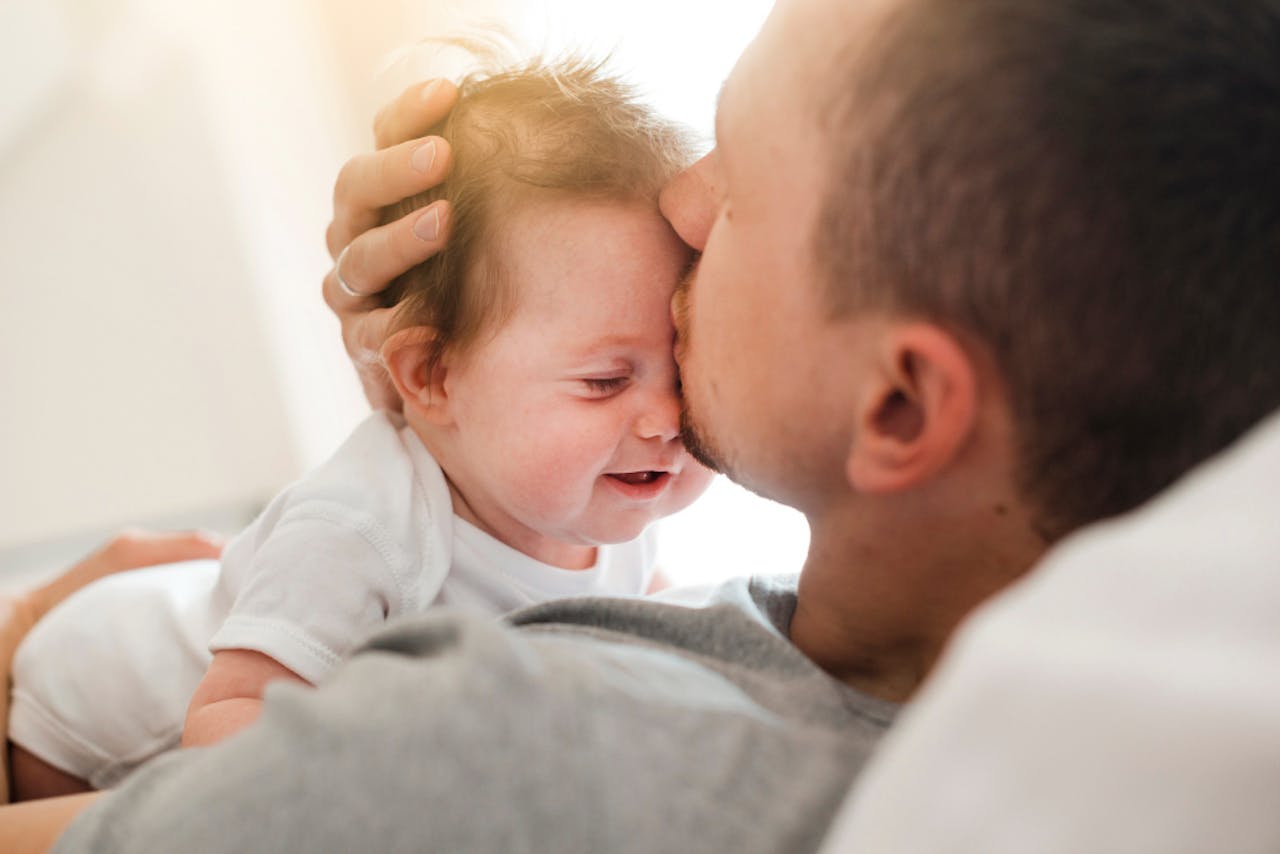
{"type": "Point", "coordinates": [320, 581]}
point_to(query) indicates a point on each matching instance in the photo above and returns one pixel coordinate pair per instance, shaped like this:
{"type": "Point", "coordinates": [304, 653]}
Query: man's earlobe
{"type": "Point", "coordinates": [917, 413]}
{"type": "Point", "coordinates": [405, 354]}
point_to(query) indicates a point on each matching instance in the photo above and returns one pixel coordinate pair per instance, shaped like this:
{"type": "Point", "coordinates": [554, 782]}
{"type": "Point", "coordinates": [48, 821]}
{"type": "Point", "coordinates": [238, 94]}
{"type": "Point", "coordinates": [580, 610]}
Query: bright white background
{"type": "Point", "coordinates": [165, 180]}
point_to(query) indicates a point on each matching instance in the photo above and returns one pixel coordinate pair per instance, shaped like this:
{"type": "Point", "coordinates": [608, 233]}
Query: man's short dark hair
{"type": "Point", "coordinates": [1091, 189]}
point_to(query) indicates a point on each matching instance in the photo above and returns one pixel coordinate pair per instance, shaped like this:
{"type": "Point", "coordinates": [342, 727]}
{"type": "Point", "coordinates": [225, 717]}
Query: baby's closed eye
{"type": "Point", "coordinates": [605, 386]}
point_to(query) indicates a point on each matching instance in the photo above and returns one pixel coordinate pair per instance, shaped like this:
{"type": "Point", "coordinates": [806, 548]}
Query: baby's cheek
{"type": "Point", "coordinates": [549, 470]}
{"type": "Point", "coordinates": [689, 485]}
{"type": "Point", "coordinates": [565, 451]}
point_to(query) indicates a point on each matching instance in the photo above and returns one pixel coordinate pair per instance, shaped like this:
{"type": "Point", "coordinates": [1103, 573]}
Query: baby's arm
{"type": "Point", "coordinates": [230, 695]}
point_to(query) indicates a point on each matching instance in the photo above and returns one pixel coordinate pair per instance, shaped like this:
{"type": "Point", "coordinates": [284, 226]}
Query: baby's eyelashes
{"type": "Point", "coordinates": [605, 386]}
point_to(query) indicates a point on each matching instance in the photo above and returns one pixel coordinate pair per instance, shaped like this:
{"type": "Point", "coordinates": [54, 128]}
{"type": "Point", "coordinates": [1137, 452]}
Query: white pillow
{"type": "Point", "coordinates": [1125, 697]}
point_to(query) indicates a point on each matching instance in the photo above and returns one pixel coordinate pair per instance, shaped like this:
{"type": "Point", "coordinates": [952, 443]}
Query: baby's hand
{"type": "Point", "coordinates": [368, 256]}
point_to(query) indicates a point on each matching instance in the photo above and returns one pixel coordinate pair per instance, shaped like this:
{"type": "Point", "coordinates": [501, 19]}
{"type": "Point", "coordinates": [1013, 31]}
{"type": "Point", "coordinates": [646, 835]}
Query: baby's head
{"type": "Point", "coordinates": [534, 353]}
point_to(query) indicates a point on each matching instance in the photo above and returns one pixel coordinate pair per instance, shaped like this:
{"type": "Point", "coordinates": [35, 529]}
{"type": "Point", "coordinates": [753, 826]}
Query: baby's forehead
{"type": "Point", "coordinates": [575, 230]}
{"type": "Point", "coordinates": [595, 265]}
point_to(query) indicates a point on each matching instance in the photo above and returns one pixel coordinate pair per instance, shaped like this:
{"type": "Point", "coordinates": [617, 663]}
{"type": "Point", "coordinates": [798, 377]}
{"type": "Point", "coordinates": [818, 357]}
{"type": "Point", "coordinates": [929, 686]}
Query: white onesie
{"type": "Point", "coordinates": [102, 683]}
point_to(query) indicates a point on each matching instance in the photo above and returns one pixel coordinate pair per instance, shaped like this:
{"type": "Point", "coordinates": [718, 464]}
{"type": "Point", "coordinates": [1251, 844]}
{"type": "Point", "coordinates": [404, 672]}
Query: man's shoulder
{"type": "Point", "coordinates": [461, 733]}
{"type": "Point", "coordinates": [742, 621]}
{"type": "Point", "coordinates": [729, 655]}
{"type": "Point", "coordinates": [766, 600]}
{"type": "Point", "coordinates": [623, 730]}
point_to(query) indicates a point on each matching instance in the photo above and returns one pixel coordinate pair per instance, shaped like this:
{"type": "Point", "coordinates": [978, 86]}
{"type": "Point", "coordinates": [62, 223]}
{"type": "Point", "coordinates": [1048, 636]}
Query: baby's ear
{"type": "Point", "coordinates": [405, 353]}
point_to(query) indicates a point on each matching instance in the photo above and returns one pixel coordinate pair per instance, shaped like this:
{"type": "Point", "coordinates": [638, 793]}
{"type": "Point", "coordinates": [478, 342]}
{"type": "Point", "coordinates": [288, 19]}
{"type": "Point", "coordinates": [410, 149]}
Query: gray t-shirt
{"type": "Point", "coordinates": [587, 725]}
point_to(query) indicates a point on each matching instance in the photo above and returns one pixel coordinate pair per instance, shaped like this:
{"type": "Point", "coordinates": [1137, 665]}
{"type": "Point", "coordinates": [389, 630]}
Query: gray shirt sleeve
{"type": "Point", "coordinates": [453, 734]}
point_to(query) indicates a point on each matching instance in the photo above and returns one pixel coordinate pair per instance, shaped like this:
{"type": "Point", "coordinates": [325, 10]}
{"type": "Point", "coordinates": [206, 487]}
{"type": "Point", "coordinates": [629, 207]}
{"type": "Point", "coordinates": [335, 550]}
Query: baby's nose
{"type": "Point", "coordinates": [660, 416]}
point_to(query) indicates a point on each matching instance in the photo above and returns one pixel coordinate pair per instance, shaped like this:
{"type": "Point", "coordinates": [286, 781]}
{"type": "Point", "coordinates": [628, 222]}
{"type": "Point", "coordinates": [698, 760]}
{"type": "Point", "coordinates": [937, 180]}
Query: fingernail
{"type": "Point", "coordinates": [430, 89]}
{"type": "Point", "coordinates": [424, 156]}
{"type": "Point", "coordinates": [428, 225]}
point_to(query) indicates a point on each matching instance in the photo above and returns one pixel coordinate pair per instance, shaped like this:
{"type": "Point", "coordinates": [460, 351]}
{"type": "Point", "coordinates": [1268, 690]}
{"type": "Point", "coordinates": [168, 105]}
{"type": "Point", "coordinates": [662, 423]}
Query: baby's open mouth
{"type": "Point", "coordinates": [638, 477]}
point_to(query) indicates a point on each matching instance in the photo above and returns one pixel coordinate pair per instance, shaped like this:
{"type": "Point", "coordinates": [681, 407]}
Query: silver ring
{"type": "Point", "coordinates": [342, 283]}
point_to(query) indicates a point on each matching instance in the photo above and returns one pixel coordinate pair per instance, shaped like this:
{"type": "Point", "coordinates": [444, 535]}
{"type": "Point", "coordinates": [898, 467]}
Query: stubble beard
{"type": "Point", "coordinates": [694, 437]}
{"type": "Point", "coordinates": [696, 441]}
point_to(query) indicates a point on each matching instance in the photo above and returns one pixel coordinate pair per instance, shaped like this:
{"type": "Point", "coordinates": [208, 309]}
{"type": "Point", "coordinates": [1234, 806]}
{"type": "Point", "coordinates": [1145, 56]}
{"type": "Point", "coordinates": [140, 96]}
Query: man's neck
{"type": "Point", "coordinates": [877, 614]}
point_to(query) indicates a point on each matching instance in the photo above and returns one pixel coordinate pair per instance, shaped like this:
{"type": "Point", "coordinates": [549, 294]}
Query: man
{"type": "Point", "coordinates": [916, 210]}
{"type": "Point", "coordinates": [1122, 699]}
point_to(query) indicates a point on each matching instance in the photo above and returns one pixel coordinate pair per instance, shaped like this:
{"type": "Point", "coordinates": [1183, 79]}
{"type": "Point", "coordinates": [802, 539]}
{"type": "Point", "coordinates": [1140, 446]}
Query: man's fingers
{"type": "Point", "coordinates": [364, 334]}
{"type": "Point", "coordinates": [377, 257]}
{"type": "Point", "coordinates": [127, 550]}
{"type": "Point", "coordinates": [370, 263]}
{"type": "Point", "coordinates": [418, 109]}
{"type": "Point", "coordinates": [370, 182]}
{"type": "Point", "coordinates": [135, 549]}
{"type": "Point", "coordinates": [369, 256]}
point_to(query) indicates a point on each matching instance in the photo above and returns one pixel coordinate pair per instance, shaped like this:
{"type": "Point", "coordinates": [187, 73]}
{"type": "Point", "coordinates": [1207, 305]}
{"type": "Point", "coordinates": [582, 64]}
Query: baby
{"type": "Point", "coordinates": [540, 438]}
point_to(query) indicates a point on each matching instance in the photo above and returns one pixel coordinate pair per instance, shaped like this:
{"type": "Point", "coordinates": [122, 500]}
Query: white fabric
{"type": "Point", "coordinates": [103, 682]}
{"type": "Point", "coordinates": [1123, 698]}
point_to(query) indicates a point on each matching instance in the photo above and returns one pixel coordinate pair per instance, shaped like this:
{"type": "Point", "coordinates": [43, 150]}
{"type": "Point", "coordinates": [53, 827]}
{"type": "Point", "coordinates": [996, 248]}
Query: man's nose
{"type": "Point", "coordinates": [689, 201]}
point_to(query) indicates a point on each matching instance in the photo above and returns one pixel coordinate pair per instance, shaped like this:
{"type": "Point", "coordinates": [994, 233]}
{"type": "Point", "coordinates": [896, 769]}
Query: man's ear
{"type": "Point", "coordinates": [917, 413]}
{"type": "Point", "coordinates": [422, 390]}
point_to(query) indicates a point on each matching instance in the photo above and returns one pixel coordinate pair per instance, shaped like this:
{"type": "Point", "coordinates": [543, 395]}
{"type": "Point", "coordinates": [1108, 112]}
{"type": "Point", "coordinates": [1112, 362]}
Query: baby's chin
{"type": "Point", "coordinates": [621, 527]}
{"type": "Point", "coordinates": [620, 531]}
{"type": "Point", "coordinates": [693, 480]}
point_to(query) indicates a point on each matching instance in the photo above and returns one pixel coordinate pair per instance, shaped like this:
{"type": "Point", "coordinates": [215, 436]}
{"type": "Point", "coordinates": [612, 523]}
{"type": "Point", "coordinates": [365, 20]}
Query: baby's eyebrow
{"type": "Point", "coordinates": [604, 344]}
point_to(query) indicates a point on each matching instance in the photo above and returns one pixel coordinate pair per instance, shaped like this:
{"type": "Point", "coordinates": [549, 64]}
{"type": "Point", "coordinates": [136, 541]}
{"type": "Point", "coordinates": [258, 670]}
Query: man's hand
{"type": "Point", "coordinates": [127, 550]}
{"type": "Point", "coordinates": [368, 256]}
